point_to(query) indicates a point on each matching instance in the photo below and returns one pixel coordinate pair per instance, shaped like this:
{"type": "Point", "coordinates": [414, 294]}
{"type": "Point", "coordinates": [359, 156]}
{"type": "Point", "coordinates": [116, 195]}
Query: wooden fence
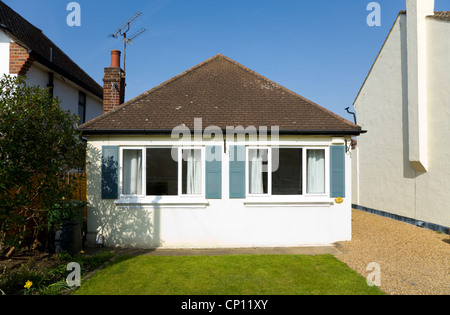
{"type": "Point", "coordinates": [80, 191]}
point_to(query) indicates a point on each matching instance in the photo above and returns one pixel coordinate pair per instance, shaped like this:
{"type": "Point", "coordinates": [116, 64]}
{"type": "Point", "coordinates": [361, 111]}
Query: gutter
{"type": "Point", "coordinates": [224, 132]}
{"type": "Point", "coordinates": [62, 72]}
{"type": "Point", "coordinates": [51, 65]}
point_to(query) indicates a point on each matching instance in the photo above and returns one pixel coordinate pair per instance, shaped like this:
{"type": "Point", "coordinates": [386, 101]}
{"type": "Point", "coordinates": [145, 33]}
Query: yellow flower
{"type": "Point", "coordinates": [28, 284]}
{"type": "Point", "coordinates": [82, 252]}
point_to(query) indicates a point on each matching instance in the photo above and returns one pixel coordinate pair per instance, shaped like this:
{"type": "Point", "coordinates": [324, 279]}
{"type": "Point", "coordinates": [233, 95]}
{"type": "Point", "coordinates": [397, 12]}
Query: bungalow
{"type": "Point", "coordinates": [26, 51]}
{"type": "Point", "coordinates": [218, 156]}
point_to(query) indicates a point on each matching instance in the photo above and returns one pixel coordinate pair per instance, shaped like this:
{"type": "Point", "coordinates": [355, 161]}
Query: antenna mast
{"type": "Point", "coordinates": [123, 32]}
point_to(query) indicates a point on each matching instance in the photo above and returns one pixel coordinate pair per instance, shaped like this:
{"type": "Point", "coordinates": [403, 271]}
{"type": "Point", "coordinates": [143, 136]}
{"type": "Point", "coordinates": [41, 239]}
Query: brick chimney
{"type": "Point", "coordinates": [113, 84]}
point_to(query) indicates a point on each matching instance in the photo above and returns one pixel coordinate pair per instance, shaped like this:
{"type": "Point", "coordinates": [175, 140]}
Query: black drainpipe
{"type": "Point", "coordinates": [354, 115]}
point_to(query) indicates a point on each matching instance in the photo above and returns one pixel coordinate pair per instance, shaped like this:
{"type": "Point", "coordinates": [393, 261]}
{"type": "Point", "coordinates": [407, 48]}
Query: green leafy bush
{"type": "Point", "coordinates": [38, 142]}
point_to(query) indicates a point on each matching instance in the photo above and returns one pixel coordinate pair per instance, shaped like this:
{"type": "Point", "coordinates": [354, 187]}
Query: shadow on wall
{"type": "Point", "coordinates": [124, 225]}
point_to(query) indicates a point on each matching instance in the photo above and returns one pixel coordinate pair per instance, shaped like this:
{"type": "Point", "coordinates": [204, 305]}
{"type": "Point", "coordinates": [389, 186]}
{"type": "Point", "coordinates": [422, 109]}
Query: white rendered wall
{"type": "Point", "coordinates": [66, 91]}
{"type": "Point", "coordinates": [4, 53]}
{"type": "Point", "coordinates": [220, 223]}
{"type": "Point", "coordinates": [387, 180]}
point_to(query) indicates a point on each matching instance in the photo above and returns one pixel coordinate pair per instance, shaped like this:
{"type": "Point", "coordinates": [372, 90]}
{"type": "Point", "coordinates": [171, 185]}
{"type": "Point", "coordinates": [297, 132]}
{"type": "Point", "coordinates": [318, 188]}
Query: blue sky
{"type": "Point", "coordinates": [321, 49]}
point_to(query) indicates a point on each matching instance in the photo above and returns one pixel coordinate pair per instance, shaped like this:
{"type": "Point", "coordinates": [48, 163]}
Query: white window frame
{"type": "Point", "coordinates": [326, 170]}
{"type": "Point", "coordinates": [143, 177]}
{"type": "Point", "coordinates": [304, 194]}
{"type": "Point", "coordinates": [144, 196]}
{"type": "Point", "coordinates": [269, 171]}
{"type": "Point", "coordinates": [180, 171]}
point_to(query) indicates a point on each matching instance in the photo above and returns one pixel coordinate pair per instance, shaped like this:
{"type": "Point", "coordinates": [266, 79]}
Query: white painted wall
{"type": "Point", "coordinates": [387, 180]}
{"type": "Point", "coordinates": [219, 223]}
{"type": "Point", "coordinates": [4, 53]}
{"type": "Point", "coordinates": [64, 89]}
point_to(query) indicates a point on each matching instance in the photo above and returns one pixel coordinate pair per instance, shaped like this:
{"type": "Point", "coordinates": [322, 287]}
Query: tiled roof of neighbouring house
{"type": "Point", "coordinates": [438, 15]}
{"type": "Point", "coordinates": [25, 34]}
{"type": "Point", "coordinates": [223, 93]}
{"type": "Point", "coordinates": [441, 15]}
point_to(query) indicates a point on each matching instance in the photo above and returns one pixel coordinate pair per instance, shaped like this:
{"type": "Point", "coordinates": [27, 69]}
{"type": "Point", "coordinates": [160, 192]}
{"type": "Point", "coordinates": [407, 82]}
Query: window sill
{"type": "Point", "coordinates": [289, 201]}
{"type": "Point", "coordinates": [166, 202]}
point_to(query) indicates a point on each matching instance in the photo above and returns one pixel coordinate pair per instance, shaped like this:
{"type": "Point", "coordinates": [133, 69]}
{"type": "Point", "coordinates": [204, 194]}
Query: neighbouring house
{"type": "Point", "coordinates": [401, 168]}
{"type": "Point", "coordinates": [26, 51]}
{"type": "Point", "coordinates": [218, 156]}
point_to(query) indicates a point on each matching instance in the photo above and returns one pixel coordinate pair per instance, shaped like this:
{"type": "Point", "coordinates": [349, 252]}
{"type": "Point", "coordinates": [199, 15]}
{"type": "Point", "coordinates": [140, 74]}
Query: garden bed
{"type": "Point", "coordinates": [47, 272]}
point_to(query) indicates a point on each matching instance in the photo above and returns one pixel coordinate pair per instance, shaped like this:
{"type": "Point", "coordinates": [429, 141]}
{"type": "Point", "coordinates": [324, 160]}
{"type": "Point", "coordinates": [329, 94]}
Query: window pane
{"type": "Point", "coordinates": [258, 159]}
{"type": "Point", "coordinates": [132, 172]}
{"type": "Point", "coordinates": [82, 107]}
{"type": "Point", "coordinates": [191, 169]}
{"type": "Point", "coordinates": [162, 172]}
{"type": "Point", "coordinates": [287, 175]}
{"type": "Point", "coordinates": [315, 172]}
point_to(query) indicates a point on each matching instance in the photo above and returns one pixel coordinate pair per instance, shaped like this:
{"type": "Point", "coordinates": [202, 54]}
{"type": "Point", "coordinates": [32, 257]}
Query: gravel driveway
{"type": "Point", "coordinates": [412, 260]}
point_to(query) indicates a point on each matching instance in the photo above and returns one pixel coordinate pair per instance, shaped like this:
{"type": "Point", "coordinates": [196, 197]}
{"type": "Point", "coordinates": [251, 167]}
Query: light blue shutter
{"type": "Point", "coordinates": [213, 173]}
{"type": "Point", "coordinates": [337, 171]}
{"type": "Point", "coordinates": [110, 172]}
{"type": "Point", "coordinates": [237, 172]}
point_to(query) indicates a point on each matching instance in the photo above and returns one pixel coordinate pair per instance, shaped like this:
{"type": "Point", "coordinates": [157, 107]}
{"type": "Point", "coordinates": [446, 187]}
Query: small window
{"type": "Point", "coordinates": [287, 171]}
{"type": "Point", "coordinates": [315, 175]}
{"type": "Point", "coordinates": [132, 172]}
{"type": "Point", "coordinates": [258, 172]}
{"type": "Point", "coordinates": [162, 172]}
{"type": "Point", "coordinates": [82, 107]}
{"type": "Point", "coordinates": [191, 172]}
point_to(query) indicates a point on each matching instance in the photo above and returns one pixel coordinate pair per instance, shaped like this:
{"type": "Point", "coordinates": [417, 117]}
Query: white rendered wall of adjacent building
{"type": "Point", "coordinates": [4, 53]}
{"type": "Point", "coordinates": [219, 223]}
{"type": "Point", "coordinates": [387, 179]}
{"type": "Point", "coordinates": [64, 89]}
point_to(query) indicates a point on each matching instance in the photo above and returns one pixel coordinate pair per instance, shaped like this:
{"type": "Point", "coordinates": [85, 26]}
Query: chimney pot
{"type": "Point", "coordinates": [113, 84]}
{"type": "Point", "coordinates": [115, 58]}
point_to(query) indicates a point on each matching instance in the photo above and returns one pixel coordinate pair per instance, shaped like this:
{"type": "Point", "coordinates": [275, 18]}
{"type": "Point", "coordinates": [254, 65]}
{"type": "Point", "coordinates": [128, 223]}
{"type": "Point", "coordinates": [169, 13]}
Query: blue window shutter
{"type": "Point", "coordinates": [337, 171]}
{"type": "Point", "coordinates": [237, 172]}
{"type": "Point", "coordinates": [213, 173]}
{"type": "Point", "coordinates": [110, 172]}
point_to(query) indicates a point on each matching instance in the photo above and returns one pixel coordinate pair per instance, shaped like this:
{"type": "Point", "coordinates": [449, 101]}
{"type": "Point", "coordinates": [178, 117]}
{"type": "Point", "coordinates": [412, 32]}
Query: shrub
{"type": "Point", "coordinates": [38, 142]}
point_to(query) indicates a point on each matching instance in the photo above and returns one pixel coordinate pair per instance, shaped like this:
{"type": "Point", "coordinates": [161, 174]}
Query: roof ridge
{"type": "Point", "coordinates": [166, 83]}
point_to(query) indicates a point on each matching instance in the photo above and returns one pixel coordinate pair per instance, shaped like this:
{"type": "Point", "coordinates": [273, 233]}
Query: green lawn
{"type": "Point", "coordinates": [226, 275]}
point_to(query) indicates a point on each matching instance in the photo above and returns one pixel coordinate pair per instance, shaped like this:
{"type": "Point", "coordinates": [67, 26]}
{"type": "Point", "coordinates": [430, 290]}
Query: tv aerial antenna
{"type": "Point", "coordinates": [123, 31]}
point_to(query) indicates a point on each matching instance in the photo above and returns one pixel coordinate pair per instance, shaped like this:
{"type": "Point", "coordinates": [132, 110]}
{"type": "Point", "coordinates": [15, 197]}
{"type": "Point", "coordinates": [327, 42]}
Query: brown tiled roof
{"type": "Point", "coordinates": [223, 93]}
{"type": "Point", "coordinates": [25, 34]}
{"type": "Point", "coordinates": [441, 15]}
{"type": "Point", "coordinates": [438, 15]}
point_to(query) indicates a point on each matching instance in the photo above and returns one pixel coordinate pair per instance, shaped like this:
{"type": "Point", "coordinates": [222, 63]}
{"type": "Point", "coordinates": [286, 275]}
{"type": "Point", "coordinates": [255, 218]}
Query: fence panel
{"type": "Point", "coordinates": [80, 191]}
